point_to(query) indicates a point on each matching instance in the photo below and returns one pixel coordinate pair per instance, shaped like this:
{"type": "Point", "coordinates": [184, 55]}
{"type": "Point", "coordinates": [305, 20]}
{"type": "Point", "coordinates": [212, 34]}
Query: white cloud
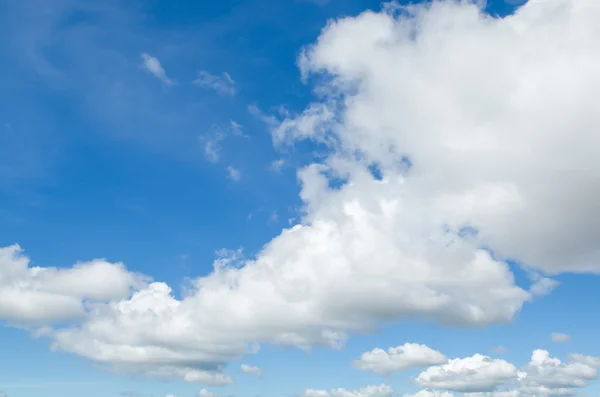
{"type": "Point", "coordinates": [37, 295]}
{"type": "Point", "coordinates": [369, 391]}
{"type": "Point", "coordinates": [205, 393]}
{"type": "Point", "coordinates": [558, 337]}
{"type": "Point", "coordinates": [251, 370]}
{"type": "Point", "coordinates": [543, 376]}
{"type": "Point", "coordinates": [222, 84]}
{"type": "Point", "coordinates": [401, 358]}
{"type": "Point", "coordinates": [233, 173]}
{"type": "Point", "coordinates": [549, 372]}
{"type": "Point", "coordinates": [590, 361]}
{"type": "Point", "coordinates": [499, 139]}
{"type": "Point", "coordinates": [237, 129]}
{"type": "Point", "coordinates": [152, 65]}
{"type": "Point", "coordinates": [471, 374]}
{"type": "Point", "coordinates": [430, 393]}
{"type": "Point", "coordinates": [277, 165]}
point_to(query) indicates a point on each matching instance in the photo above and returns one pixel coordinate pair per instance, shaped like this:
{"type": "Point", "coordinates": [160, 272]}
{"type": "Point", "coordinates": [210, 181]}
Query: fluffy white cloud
{"type": "Point", "coordinates": [38, 295]}
{"type": "Point", "coordinates": [497, 116]}
{"type": "Point", "coordinates": [548, 372]}
{"type": "Point", "coordinates": [251, 370]}
{"type": "Point", "coordinates": [543, 376]}
{"type": "Point", "coordinates": [223, 84]}
{"type": "Point", "coordinates": [471, 374]}
{"type": "Point", "coordinates": [369, 391]}
{"type": "Point", "coordinates": [557, 337]}
{"type": "Point", "coordinates": [399, 358]}
{"type": "Point", "coordinates": [205, 393]}
{"type": "Point", "coordinates": [152, 65]}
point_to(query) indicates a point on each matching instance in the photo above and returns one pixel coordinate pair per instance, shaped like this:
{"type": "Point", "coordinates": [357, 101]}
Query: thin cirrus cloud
{"type": "Point", "coordinates": [152, 65]}
{"type": "Point", "coordinates": [222, 84]}
{"type": "Point", "coordinates": [233, 173]}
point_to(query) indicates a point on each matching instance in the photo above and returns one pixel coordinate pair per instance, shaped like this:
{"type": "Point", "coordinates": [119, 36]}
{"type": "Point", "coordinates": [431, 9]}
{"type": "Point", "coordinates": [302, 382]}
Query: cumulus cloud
{"type": "Point", "coordinates": [205, 393]}
{"type": "Point", "coordinates": [222, 84]}
{"type": "Point", "coordinates": [401, 358]}
{"type": "Point", "coordinates": [549, 372]}
{"type": "Point", "coordinates": [496, 116]}
{"type": "Point", "coordinates": [152, 65]}
{"type": "Point", "coordinates": [543, 376]}
{"type": "Point", "coordinates": [369, 391]}
{"type": "Point", "coordinates": [38, 295]}
{"type": "Point", "coordinates": [251, 370]}
{"type": "Point", "coordinates": [478, 373]}
{"type": "Point", "coordinates": [558, 337]}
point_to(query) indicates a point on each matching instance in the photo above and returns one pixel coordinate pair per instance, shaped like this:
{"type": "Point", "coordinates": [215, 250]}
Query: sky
{"type": "Point", "coordinates": [299, 198]}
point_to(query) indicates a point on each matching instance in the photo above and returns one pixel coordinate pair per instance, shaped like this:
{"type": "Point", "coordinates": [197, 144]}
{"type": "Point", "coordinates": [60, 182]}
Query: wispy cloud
{"type": "Point", "coordinates": [277, 165]}
{"type": "Point", "coordinates": [211, 142]}
{"type": "Point", "coordinates": [234, 174]}
{"type": "Point", "coordinates": [212, 147]}
{"type": "Point", "coordinates": [558, 337]}
{"type": "Point", "coordinates": [223, 84]}
{"type": "Point", "coordinates": [152, 65]}
{"type": "Point", "coordinates": [251, 370]}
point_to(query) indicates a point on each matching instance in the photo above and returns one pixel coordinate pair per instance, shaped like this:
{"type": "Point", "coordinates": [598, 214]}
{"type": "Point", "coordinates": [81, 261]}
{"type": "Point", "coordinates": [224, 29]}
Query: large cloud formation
{"type": "Point", "coordinates": [483, 132]}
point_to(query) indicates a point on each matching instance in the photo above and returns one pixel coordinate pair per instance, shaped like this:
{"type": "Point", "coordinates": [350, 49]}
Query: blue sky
{"type": "Point", "coordinates": [167, 135]}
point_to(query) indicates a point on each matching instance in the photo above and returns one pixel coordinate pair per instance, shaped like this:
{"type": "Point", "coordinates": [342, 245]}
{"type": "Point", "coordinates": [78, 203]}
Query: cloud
{"type": "Point", "coordinates": [152, 65]}
{"type": "Point", "coordinates": [233, 173]}
{"type": "Point", "coordinates": [205, 393]}
{"type": "Point", "coordinates": [223, 84]}
{"type": "Point", "coordinates": [590, 361]}
{"type": "Point", "coordinates": [549, 372]}
{"type": "Point", "coordinates": [211, 145]}
{"type": "Point", "coordinates": [212, 141]}
{"type": "Point", "coordinates": [251, 370]}
{"type": "Point", "coordinates": [430, 393]}
{"type": "Point", "coordinates": [495, 141]}
{"type": "Point", "coordinates": [37, 295]}
{"type": "Point", "coordinates": [400, 358]}
{"type": "Point", "coordinates": [477, 373]}
{"type": "Point", "coordinates": [480, 376]}
{"type": "Point", "coordinates": [277, 165]}
{"type": "Point", "coordinates": [558, 337]}
{"type": "Point", "coordinates": [369, 391]}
